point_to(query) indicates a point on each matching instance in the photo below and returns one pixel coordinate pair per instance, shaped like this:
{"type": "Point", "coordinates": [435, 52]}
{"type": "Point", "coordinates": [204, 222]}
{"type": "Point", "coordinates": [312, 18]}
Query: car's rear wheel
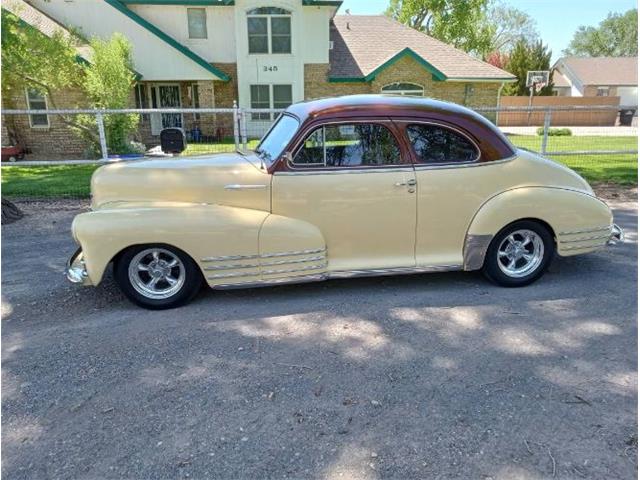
{"type": "Point", "coordinates": [519, 254]}
{"type": "Point", "coordinates": [157, 276]}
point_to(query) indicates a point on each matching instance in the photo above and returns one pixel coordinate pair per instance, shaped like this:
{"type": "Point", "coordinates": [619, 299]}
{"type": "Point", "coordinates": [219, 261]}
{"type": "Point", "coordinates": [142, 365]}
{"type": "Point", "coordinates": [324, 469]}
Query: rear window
{"type": "Point", "coordinates": [434, 144]}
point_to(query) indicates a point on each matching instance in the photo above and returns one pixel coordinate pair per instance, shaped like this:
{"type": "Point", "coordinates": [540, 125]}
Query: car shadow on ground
{"type": "Point", "coordinates": [421, 376]}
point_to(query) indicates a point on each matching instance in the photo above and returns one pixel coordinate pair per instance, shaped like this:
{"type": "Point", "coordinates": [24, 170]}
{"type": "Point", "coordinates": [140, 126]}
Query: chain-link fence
{"type": "Point", "coordinates": [54, 154]}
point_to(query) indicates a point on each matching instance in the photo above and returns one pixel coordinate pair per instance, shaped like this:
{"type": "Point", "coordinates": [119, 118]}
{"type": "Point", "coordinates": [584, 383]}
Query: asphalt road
{"type": "Point", "coordinates": [426, 376]}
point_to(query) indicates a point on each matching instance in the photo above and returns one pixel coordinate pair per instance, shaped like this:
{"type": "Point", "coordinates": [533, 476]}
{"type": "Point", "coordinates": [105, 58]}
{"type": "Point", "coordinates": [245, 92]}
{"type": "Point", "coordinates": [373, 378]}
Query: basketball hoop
{"type": "Point", "coordinates": [538, 86]}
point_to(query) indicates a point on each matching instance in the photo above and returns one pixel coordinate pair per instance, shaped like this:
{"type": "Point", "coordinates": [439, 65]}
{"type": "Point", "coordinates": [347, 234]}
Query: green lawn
{"type": "Point", "coordinates": [73, 180]}
{"type": "Point", "coordinates": [44, 181]}
{"type": "Point", "coordinates": [615, 168]}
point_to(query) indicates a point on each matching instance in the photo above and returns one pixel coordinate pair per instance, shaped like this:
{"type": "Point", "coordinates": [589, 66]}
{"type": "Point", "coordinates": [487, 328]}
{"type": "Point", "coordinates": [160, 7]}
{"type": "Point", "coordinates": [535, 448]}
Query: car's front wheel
{"type": "Point", "coordinates": [157, 276]}
{"type": "Point", "coordinates": [519, 254]}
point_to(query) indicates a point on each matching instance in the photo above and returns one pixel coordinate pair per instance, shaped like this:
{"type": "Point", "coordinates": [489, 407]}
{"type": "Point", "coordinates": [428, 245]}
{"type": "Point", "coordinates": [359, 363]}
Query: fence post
{"type": "Point", "coordinates": [243, 128]}
{"type": "Point", "coordinates": [545, 133]}
{"type": "Point", "coordinates": [103, 136]}
{"type": "Point", "coordinates": [236, 136]}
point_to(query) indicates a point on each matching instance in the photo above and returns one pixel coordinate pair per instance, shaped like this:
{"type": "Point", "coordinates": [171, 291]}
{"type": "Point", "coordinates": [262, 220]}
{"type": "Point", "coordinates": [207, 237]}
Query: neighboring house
{"type": "Point", "coordinates": [40, 132]}
{"type": "Point", "coordinates": [597, 77]}
{"type": "Point", "coordinates": [269, 54]}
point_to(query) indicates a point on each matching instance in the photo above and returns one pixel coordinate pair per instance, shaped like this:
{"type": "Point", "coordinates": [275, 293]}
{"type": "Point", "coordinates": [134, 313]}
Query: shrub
{"type": "Point", "coordinates": [555, 132]}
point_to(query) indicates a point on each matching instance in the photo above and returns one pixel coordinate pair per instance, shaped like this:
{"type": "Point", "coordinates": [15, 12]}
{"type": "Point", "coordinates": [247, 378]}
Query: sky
{"type": "Point", "coordinates": [556, 20]}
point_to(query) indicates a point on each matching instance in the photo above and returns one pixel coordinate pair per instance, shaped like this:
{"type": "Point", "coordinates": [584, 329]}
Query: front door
{"type": "Point", "coordinates": [165, 96]}
{"type": "Point", "coordinates": [351, 180]}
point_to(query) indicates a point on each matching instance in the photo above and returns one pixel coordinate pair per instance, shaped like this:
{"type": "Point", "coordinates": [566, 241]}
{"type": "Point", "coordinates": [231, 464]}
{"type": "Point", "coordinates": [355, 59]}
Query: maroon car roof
{"type": "Point", "coordinates": [493, 144]}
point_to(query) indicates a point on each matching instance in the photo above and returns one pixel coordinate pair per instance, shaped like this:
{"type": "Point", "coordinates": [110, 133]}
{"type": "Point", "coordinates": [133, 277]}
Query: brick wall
{"type": "Point", "coordinates": [55, 142]}
{"type": "Point", "coordinates": [406, 70]}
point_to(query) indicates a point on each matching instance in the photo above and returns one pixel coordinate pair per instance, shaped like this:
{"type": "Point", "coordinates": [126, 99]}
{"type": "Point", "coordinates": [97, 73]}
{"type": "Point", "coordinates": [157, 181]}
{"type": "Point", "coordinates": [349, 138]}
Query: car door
{"type": "Point", "coordinates": [353, 181]}
{"type": "Point", "coordinates": [452, 185]}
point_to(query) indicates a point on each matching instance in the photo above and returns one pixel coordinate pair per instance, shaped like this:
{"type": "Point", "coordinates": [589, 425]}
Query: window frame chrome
{"type": "Point", "coordinates": [319, 167]}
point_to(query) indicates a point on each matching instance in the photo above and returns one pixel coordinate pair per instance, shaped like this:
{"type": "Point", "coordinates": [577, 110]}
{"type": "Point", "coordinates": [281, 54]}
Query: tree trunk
{"type": "Point", "coordinates": [10, 212]}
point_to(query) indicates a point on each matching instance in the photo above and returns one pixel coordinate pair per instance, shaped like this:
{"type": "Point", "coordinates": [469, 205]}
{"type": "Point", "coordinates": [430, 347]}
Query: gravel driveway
{"type": "Point", "coordinates": [426, 376]}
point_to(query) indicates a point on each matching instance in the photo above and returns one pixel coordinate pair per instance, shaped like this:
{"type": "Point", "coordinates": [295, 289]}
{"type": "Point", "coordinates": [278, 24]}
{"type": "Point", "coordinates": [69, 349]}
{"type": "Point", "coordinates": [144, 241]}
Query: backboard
{"type": "Point", "coordinates": [537, 77]}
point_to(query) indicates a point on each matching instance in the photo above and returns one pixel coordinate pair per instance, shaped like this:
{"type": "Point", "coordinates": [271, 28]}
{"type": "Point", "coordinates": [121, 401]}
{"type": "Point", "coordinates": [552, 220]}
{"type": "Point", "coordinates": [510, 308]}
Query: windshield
{"type": "Point", "coordinates": [276, 139]}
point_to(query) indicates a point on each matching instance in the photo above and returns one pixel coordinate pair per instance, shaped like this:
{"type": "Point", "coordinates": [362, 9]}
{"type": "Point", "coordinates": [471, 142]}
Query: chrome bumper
{"type": "Point", "coordinates": [76, 271]}
{"type": "Point", "coordinates": [617, 235]}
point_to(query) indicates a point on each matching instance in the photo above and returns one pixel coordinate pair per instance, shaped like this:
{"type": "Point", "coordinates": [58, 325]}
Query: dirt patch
{"type": "Point", "coordinates": [613, 191]}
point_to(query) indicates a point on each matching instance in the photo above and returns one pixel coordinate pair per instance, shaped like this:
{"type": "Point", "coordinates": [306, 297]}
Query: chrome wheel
{"type": "Point", "coordinates": [156, 273]}
{"type": "Point", "coordinates": [520, 253]}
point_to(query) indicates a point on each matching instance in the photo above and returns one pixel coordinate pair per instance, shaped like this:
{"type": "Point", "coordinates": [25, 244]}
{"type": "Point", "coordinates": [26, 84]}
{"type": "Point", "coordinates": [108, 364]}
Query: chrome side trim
{"type": "Point", "coordinates": [475, 249]}
{"type": "Point", "coordinates": [586, 239]}
{"type": "Point", "coordinates": [265, 255]}
{"type": "Point", "coordinates": [272, 282]}
{"type": "Point", "coordinates": [229, 257]}
{"type": "Point", "coordinates": [392, 271]}
{"type": "Point", "coordinates": [237, 186]}
{"type": "Point", "coordinates": [293, 253]}
{"type": "Point", "coordinates": [265, 264]}
{"type": "Point", "coordinates": [587, 230]}
{"type": "Point", "coordinates": [255, 273]}
{"type": "Point", "coordinates": [582, 247]}
{"type": "Point", "coordinates": [294, 270]}
{"type": "Point", "coordinates": [347, 170]}
{"type": "Point", "coordinates": [441, 166]}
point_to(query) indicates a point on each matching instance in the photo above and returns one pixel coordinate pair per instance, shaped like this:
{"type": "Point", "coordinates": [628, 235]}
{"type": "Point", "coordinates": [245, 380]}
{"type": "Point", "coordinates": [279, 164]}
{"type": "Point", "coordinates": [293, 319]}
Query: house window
{"type": "Point", "coordinates": [141, 98]}
{"type": "Point", "coordinates": [270, 96]}
{"type": "Point", "coordinates": [602, 92]}
{"type": "Point", "coordinates": [269, 30]}
{"type": "Point", "coordinates": [197, 22]}
{"type": "Point", "coordinates": [195, 99]}
{"type": "Point", "coordinates": [406, 89]}
{"type": "Point", "coordinates": [37, 101]}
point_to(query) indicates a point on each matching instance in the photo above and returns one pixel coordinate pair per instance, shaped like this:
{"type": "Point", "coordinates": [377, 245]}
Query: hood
{"type": "Point", "coordinates": [206, 179]}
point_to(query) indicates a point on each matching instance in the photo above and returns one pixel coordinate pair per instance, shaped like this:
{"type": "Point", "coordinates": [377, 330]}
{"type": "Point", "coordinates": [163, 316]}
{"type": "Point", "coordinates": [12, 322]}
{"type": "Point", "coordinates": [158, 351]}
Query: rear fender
{"type": "Point", "coordinates": [563, 210]}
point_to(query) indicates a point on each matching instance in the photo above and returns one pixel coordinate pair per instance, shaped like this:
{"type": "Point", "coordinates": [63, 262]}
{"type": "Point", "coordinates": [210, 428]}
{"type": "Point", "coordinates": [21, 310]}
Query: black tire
{"type": "Point", "coordinates": [189, 288]}
{"type": "Point", "coordinates": [491, 268]}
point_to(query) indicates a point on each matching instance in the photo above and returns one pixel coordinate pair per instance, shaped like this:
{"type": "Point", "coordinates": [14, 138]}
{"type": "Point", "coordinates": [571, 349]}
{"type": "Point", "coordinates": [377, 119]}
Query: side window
{"type": "Point", "coordinates": [349, 145]}
{"type": "Point", "coordinates": [434, 144]}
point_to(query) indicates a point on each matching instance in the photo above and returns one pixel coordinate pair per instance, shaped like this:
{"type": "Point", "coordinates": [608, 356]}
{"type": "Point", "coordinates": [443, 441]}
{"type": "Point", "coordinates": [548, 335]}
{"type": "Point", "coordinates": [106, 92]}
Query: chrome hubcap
{"type": "Point", "coordinates": [520, 253]}
{"type": "Point", "coordinates": [156, 273]}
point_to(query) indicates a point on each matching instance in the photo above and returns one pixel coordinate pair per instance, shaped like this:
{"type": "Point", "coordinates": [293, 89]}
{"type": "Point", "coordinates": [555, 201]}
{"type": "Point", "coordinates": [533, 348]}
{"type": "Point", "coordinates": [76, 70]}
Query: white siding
{"type": "Point", "coordinates": [153, 57]}
{"type": "Point", "coordinates": [219, 47]}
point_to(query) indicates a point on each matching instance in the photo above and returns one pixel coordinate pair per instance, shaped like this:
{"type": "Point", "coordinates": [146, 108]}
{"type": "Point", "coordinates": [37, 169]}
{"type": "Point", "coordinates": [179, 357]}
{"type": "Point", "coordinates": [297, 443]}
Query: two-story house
{"type": "Point", "coordinates": [271, 53]}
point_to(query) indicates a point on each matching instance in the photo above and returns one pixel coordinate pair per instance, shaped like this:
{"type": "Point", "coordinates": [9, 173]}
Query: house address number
{"type": "Point", "coordinates": [270, 68]}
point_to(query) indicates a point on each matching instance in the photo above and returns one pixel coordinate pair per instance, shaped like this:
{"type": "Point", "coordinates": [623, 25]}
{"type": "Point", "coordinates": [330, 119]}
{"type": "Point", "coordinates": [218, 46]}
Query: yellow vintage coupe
{"type": "Point", "coordinates": [341, 187]}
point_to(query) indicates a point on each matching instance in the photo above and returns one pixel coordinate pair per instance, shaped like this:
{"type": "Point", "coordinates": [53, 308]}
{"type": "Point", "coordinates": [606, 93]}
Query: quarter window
{"type": "Point", "coordinates": [197, 22]}
{"type": "Point", "coordinates": [37, 101]}
{"type": "Point", "coordinates": [435, 144]}
{"type": "Point", "coordinates": [269, 30]}
{"type": "Point", "coordinates": [349, 145]}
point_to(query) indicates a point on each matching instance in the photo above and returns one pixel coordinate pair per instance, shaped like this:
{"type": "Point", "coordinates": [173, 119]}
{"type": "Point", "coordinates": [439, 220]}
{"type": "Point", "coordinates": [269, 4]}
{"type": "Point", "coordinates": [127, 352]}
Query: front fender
{"type": "Point", "coordinates": [201, 230]}
{"type": "Point", "coordinates": [564, 210]}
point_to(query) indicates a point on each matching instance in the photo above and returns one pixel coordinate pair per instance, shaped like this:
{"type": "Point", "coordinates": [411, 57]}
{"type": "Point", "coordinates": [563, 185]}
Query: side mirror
{"type": "Point", "coordinates": [173, 140]}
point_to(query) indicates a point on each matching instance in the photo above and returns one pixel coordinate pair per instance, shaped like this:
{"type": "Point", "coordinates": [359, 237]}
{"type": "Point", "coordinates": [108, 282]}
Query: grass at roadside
{"type": "Point", "coordinates": [614, 168]}
{"type": "Point", "coordinates": [47, 181]}
{"type": "Point", "coordinates": [73, 180]}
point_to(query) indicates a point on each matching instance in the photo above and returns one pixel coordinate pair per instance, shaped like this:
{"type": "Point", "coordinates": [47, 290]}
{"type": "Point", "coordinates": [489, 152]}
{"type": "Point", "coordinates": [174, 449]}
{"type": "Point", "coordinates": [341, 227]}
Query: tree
{"type": "Point", "coordinates": [508, 25]}
{"type": "Point", "coordinates": [34, 60]}
{"type": "Point", "coordinates": [527, 56]}
{"type": "Point", "coordinates": [456, 22]}
{"type": "Point", "coordinates": [108, 82]}
{"type": "Point", "coordinates": [615, 36]}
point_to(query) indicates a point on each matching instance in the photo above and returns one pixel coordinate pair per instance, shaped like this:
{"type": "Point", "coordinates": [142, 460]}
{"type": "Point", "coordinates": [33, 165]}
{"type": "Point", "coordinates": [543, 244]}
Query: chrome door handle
{"type": "Point", "coordinates": [410, 183]}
